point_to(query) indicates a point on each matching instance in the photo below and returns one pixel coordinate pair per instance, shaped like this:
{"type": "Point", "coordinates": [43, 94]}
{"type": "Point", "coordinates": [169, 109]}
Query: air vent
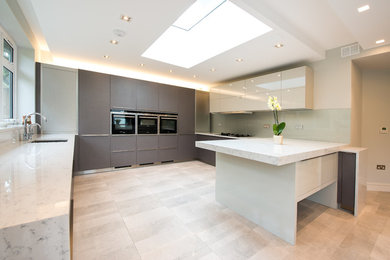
{"type": "Point", "coordinates": [350, 50]}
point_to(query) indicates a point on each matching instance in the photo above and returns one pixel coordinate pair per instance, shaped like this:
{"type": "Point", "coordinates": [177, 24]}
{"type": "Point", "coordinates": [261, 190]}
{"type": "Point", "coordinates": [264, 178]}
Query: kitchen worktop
{"type": "Point", "coordinates": [35, 180]}
{"type": "Point", "coordinates": [216, 135]}
{"type": "Point", "coordinates": [35, 194]}
{"type": "Point", "coordinates": [264, 150]}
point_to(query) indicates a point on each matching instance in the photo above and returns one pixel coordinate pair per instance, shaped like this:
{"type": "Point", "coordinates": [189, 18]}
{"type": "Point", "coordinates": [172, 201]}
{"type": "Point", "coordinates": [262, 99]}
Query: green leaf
{"type": "Point", "coordinates": [278, 128]}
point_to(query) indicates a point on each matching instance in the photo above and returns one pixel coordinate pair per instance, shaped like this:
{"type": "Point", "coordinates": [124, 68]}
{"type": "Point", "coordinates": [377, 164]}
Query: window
{"type": "Point", "coordinates": [8, 68]}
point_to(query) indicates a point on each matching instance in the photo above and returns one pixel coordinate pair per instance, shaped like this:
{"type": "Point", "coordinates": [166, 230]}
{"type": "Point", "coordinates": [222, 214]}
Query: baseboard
{"type": "Point", "coordinates": [375, 186]}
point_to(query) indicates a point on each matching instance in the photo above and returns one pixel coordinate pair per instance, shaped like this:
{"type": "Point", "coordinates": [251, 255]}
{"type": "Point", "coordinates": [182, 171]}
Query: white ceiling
{"type": "Point", "coordinates": [81, 30]}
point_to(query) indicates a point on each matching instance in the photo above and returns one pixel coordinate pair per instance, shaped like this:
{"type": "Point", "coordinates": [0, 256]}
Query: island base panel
{"type": "Point", "coordinates": [262, 193]}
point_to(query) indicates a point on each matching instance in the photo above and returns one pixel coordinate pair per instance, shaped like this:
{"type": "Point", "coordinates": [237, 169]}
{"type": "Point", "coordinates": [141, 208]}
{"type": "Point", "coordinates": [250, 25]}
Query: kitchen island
{"type": "Point", "coordinates": [264, 182]}
{"type": "Point", "coordinates": [35, 198]}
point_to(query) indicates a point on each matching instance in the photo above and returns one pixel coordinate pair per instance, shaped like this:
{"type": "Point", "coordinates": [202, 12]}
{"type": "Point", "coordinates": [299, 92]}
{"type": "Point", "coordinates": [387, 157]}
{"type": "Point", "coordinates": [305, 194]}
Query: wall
{"type": "Point", "coordinates": [356, 105]}
{"type": "Point", "coordinates": [202, 108]}
{"type": "Point", "coordinates": [332, 81]}
{"type": "Point", "coordinates": [376, 107]}
{"type": "Point", "coordinates": [59, 99]}
{"type": "Point", "coordinates": [25, 92]}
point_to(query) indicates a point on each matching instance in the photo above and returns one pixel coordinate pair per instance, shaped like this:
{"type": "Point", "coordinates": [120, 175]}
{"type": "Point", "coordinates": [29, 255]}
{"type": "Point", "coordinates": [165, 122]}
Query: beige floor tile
{"type": "Point", "coordinates": [147, 218]}
{"type": "Point", "coordinates": [169, 212]}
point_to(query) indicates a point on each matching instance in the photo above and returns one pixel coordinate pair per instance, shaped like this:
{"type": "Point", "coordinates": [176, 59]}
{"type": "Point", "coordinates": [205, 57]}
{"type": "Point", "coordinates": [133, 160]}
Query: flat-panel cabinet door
{"type": "Point", "coordinates": [147, 157]}
{"type": "Point", "coordinates": [147, 96]}
{"type": "Point", "coordinates": [165, 155]}
{"type": "Point", "coordinates": [147, 142]}
{"type": "Point", "coordinates": [186, 148]}
{"type": "Point", "coordinates": [293, 88]}
{"type": "Point", "coordinates": [94, 152]}
{"type": "Point", "coordinates": [167, 141]}
{"type": "Point", "coordinates": [94, 103]}
{"type": "Point", "coordinates": [123, 143]}
{"type": "Point", "coordinates": [124, 93]}
{"type": "Point", "coordinates": [168, 99]}
{"type": "Point", "coordinates": [186, 122]}
{"type": "Point", "coordinates": [123, 159]}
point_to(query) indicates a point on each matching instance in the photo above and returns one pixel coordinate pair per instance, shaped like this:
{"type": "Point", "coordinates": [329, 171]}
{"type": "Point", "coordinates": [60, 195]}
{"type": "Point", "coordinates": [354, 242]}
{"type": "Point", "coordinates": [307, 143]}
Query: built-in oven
{"type": "Point", "coordinates": [147, 123]}
{"type": "Point", "coordinates": [168, 124]}
{"type": "Point", "coordinates": [123, 123]}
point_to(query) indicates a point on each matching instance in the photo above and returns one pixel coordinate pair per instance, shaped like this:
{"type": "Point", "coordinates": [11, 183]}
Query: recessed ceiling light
{"type": "Point", "coordinates": [170, 71]}
{"type": "Point", "coordinates": [212, 69]}
{"type": "Point", "coordinates": [380, 41]}
{"type": "Point", "coordinates": [203, 31]}
{"type": "Point", "coordinates": [106, 56]}
{"type": "Point", "coordinates": [194, 76]}
{"type": "Point", "coordinates": [363, 8]}
{"type": "Point", "coordinates": [279, 45]}
{"type": "Point", "coordinates": [239, 60]}
{"type": "Point", "coordinates": [142, 64]}
{"type": "Point", "coordinates": [125, 18]}
{"type": "Point", "coordinates": [114, 42]}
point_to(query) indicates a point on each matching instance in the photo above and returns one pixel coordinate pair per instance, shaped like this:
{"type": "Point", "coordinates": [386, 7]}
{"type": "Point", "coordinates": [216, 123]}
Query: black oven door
{"type": "Point", "coordinates": [147, 124]}
{"type": "Point", "coordinates": [168, 125]}
{"type": "Point", "coordinates": [122, 124]}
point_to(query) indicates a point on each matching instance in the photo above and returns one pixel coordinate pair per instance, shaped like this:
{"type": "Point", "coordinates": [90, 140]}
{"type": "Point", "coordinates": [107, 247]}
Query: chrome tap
{"type": "Point", "coordinates": [28, 130]}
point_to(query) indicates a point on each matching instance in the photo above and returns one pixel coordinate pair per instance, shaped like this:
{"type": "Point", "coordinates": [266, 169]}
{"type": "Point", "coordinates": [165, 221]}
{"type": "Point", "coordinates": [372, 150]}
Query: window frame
{"type": "Point", "coordinates": [11, 66]}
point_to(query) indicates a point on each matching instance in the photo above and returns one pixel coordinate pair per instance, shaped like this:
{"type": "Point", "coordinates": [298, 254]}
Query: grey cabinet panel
{"type": "Point", "coordinates": [167, 155]}
{"type": "Point", "coordinates": [121, 159]}
{"type": "Point", "coordinates": [123, 143]}
{"type": "Point", "coordinates": [167, 141]}
{"type": "Point", "coordinates": [186, 122]}
{"type": "Point", "coordinates": [168, 98]}
{"type": "Point", "coordinates": [94, 103]}
{"type": "Point", "coordinates": [204, 155]}
{"type": "Point", "coordinates": [147, 96]}
{"type": "Point", "coordinates": [346, 181]}
{"type": "Point", "coordinates": [144, 157]}
{"type": "Point", "coordinates": [94, 152]}
{"type": "Point", "coordinates": [147, 142]}
{"type": "Point", "coordinates": [186, 148]}
{"type": "Point", "coordinates": [124, 92]}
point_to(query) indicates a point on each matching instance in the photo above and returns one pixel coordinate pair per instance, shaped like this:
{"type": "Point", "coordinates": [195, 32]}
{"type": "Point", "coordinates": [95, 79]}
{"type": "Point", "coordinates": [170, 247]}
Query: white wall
{"type": "Point", "coordinates": [376, 109]}
{"type": "Point", "coordinates": [356, 105]}
{"type": "Point", "coordinates": [59, 99]}
{"type": "Point", "coordinates": [25, 90]}
{"type": "Point", "coordinates": [332, 81]}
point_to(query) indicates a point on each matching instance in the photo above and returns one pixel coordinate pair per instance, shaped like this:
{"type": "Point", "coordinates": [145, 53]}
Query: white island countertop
{"type": "Point", "coordinates": [35, 180]}
{"type": "Point", "coordinates": [264, 150]}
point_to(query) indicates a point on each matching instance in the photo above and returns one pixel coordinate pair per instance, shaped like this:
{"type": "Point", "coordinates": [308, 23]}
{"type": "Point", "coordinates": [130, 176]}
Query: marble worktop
{"type": "Point", "coordinates": [264, 150]}
{"type": "Point", "coordinates": [216, 135]}
{"type": "Point", "coordinates": [35, 180]}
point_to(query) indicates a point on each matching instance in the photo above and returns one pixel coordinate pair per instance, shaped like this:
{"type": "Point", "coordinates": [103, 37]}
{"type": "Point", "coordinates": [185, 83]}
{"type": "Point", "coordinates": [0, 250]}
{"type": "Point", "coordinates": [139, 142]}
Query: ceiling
{"type": "Point", "coordinates": [80, 31]}
{"type": "Point", "coordinates": [374, 62]}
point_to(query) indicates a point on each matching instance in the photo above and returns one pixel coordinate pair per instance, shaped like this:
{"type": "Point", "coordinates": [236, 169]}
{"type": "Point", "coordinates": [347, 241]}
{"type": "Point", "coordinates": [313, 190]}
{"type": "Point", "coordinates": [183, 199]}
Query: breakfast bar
{"type": "Point", "coordinates": [264, 182]}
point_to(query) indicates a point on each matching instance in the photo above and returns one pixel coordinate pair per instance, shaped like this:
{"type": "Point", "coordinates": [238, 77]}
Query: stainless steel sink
{"type": "Point", "coordinates": [49, 141]}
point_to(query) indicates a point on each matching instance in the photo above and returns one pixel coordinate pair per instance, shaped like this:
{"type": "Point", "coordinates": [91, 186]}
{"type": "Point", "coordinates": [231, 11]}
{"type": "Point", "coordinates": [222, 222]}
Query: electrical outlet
{"type": "Point", "coordinates": [299, 126]}
{"type": "Point", "coordinates": [266, 126]}
{"type": "Point", "coordinates": [381, 167]}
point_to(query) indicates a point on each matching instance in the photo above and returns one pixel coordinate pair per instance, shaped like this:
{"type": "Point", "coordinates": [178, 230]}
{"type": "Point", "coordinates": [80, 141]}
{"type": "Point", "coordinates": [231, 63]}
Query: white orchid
{"type": "Point", "coordinates": [274, 105]}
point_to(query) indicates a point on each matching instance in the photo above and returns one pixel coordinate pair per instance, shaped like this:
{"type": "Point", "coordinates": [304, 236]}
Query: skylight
{"type": "Point", "coordinates": [207, 28]}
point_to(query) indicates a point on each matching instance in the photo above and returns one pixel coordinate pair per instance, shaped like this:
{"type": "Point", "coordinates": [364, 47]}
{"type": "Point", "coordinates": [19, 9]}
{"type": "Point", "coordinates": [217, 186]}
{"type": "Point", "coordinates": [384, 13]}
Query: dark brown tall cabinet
{"type": "Point", "coordinates": [94, 120]}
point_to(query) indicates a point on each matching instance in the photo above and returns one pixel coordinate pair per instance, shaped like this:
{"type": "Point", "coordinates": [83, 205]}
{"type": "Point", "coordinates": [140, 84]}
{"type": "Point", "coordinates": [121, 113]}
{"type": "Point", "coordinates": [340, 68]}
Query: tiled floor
{"type": "Point", "coordinates": [169, 212]}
